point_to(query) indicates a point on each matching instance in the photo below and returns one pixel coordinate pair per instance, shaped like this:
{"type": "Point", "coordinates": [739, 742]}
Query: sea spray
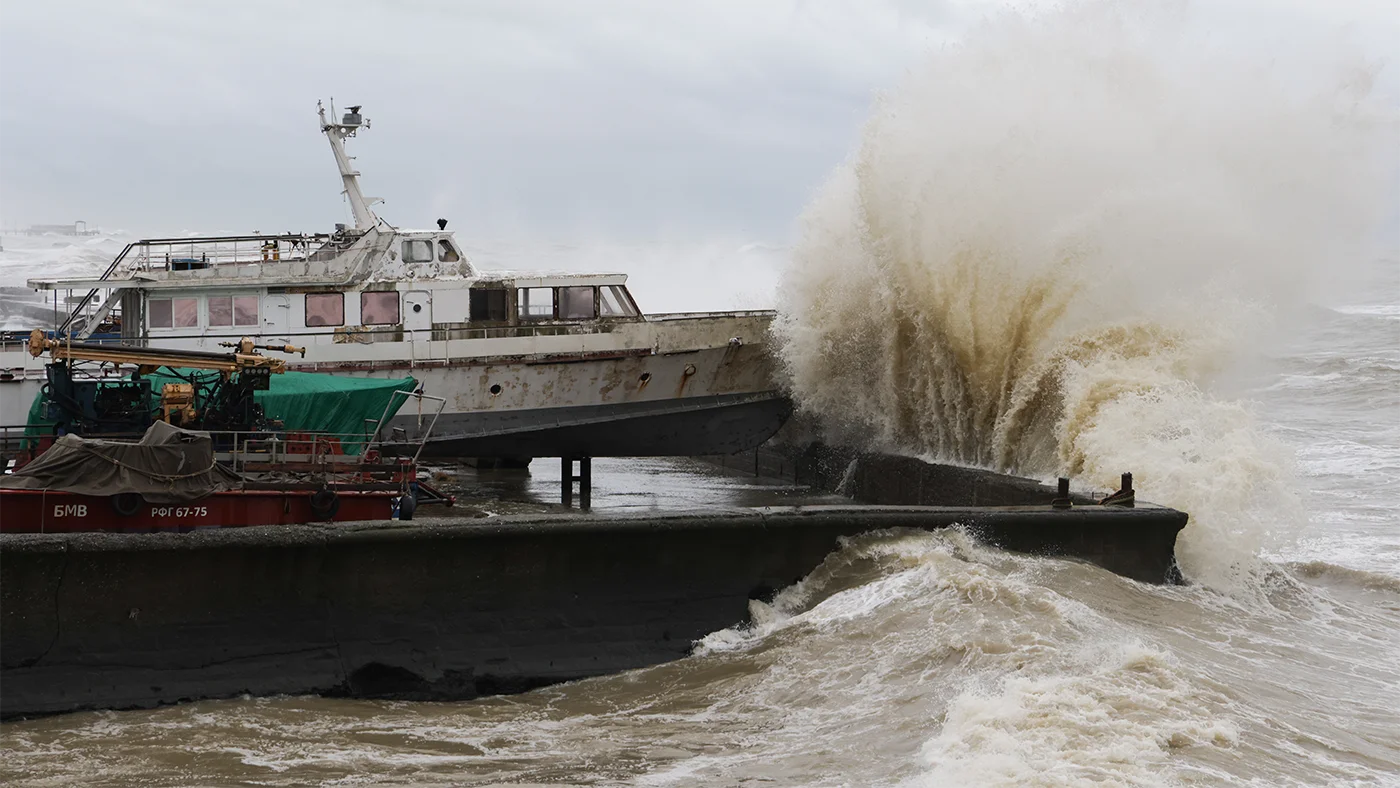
{"type": "Point", "coordinates": [1055, 235]}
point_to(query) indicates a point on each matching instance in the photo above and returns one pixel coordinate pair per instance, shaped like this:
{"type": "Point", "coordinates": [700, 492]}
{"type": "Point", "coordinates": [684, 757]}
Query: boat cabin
{"type": "Point", "coordinates": [295, 289]}
{"type": "Point", "coordinates": [369, 283]}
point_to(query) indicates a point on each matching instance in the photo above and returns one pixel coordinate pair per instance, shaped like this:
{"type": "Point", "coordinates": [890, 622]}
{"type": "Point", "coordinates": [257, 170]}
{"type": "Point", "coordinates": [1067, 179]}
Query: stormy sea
{"type": "Point", "coordinates": [1079, 242]}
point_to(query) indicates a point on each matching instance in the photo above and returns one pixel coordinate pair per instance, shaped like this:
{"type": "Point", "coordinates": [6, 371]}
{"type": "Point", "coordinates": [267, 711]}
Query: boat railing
{"type": "Point", "coordinates": [363, 334]}
{"type": "Point", "coordinates": [80, 309]}
{"type": "Point", "coordinates": [189, 254]}
{"type": "Point", "coordinates": [14, 438]}
{"type": "Point", "coordinates": [302, 453]}
{"type": "Point", "coordinates": [659, 317]}
{"type": "Point", "coordinates": [192, 254]}
{"type": "Point", "coordinates": [313, 451]}
{"type": "Point", "coordinates": [288, 452]}
{"type": "Point", "coordinates": [390, 409]}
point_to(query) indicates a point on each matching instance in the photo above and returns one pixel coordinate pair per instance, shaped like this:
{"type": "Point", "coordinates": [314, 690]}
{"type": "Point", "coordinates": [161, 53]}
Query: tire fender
{"type": "Point", "coordinates": [324, 504]}
{"type": "Point", "coordinates": [126, 504]}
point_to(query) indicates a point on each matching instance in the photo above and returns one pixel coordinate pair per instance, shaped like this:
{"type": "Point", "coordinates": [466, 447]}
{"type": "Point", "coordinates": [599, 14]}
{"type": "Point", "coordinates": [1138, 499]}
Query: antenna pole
{"type": "Point", "coordinates": [337, 133]}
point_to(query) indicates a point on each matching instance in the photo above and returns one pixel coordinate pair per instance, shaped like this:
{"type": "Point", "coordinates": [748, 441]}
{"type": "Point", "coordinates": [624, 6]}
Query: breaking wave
{"type": "Point", "coordinates": [1030, 686]}
{"type": "Point", "coordinates": [1055, 237]}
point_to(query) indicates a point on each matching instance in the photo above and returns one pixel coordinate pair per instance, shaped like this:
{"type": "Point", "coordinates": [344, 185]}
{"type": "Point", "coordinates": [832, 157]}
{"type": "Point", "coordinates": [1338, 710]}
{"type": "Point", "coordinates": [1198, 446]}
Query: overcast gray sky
{"type": "Point", "coordinates": [614, 117]}
{"type": "Point", "coordinates": [558, 118]}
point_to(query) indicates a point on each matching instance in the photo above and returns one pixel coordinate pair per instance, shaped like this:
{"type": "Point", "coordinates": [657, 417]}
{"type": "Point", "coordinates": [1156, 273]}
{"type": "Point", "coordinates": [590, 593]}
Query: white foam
{"type": "Point", "coordinates": [1114, 723]}
{"type": "Point", "coordinates": [1054, 236]}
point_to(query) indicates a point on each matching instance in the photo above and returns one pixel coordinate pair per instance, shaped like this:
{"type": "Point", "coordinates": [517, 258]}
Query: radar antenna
{"type": "Point", "coordinates": [337, 133]}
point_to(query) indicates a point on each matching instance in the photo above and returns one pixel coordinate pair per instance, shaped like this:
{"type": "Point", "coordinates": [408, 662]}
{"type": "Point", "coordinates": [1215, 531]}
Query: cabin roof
{"type": "Point", "coordinates": [257, 281]}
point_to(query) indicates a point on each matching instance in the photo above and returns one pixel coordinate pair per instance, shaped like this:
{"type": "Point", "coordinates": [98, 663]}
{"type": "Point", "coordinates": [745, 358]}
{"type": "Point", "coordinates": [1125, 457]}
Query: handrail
{"type": "Point", "coordinates": [483, 332]}
{"type": "Point", "coordinates": [584, 328]}
{"type": "Point", "coordinates": [73, 313]}
{"type": "Point", "coordinates": [664, 316]}
{"type": "Point", "coordinates": [16, 433]}
{"type": "Point", "coordinates": [146, 245]}
{"type": "Point", "coordinates": [418, 395]}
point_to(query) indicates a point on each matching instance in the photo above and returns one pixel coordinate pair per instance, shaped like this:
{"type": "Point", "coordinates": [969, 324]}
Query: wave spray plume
{"type": "Point", "coordinates": [1056, 234]}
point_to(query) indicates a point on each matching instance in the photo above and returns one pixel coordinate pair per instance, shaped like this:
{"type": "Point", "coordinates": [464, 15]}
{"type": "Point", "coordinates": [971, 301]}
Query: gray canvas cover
{"type": "Point", "coordinates": [168, 465]}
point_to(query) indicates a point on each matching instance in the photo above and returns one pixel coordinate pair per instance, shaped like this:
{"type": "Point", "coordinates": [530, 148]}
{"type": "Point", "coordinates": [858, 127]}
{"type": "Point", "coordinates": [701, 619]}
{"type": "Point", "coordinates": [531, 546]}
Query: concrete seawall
{"type": "Point", "coordinates": [452, 609]}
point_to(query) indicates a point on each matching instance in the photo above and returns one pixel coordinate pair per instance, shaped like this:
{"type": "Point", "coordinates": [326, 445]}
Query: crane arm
{"type": "Point", "coordinates": [227, 363]}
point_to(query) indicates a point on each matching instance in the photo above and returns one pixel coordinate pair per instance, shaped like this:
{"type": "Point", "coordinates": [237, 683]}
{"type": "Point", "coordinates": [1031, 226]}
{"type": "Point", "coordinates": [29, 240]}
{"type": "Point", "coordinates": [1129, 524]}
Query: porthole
{"type": "Point", "coordinates": [495, 389]}
{"type": "Point", "coordinates": [645, 377]}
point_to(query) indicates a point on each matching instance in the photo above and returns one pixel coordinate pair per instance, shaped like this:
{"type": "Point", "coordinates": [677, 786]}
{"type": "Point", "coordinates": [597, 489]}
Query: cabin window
{"type": "Point", "coordinates": [325, 309]}
{"type": "Point", "coordinates": [233, 310]}
{"type": "Point", "coordinates": [576, 303]}
{"type": "Point", "coordinates": [535, 303]}
{"type": "Point", "coordinates": [615, 302]}
{"type": "Point", "coordinates": [446, 253]}
{"type": "Point", "coordinates": [417, 251]}
{"type": "Point", "coordinates": [489, 305]}
{"type": "Point", "coordinates": [173, 312]}
{"type": "Point", "coordinates": [245, 310]}
{"type": "Point", "coordinates": [379, 309]}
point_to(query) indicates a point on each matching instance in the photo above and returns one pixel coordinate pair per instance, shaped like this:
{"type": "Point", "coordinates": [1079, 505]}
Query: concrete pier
{"type": "Point", "coordinates": [446, 609]}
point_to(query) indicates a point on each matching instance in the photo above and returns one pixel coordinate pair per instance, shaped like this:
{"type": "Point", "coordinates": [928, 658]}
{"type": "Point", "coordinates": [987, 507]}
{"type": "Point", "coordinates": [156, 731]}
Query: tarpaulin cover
{"type": "Point", "coordinates": [168, 465]}
{"type": "Point", "coordinates": [302, 401]}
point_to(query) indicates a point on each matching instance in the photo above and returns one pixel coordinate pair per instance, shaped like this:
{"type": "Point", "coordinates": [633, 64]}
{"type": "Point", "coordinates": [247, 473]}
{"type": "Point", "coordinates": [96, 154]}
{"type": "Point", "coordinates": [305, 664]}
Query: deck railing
{"type": "Point", "coordinates": [188, 254]}
{"type": "Point", "coordinates": [185, 254]}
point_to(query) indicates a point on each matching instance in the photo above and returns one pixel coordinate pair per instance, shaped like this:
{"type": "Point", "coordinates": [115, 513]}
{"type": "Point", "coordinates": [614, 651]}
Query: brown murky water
{"type": "Point", "coordinates": [916, 658]}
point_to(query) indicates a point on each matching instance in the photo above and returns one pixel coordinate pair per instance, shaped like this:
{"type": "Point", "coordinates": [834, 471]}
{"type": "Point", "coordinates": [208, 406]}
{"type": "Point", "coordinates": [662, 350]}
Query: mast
{"type": "Point", "coordinates": [337, 133]}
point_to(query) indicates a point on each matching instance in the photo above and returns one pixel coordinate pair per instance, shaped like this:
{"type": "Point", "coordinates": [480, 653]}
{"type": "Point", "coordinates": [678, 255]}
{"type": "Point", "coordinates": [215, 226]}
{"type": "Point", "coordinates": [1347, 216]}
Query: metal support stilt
{"type": "Point", "coordinates": [584, 477]}
{"type": "Point", "coordinates": [585, 483]}
{"type": "Point", "coordinates": [566, 478]}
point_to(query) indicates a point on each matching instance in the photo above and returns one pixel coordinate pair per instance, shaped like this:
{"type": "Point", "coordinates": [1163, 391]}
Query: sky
{"type": "Point", "coordinates": [622, 119]}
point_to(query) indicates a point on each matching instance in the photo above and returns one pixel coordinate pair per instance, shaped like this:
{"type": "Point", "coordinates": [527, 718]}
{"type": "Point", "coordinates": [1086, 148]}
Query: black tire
{"type": "Point", "coordinates": [126, 504]}
{"type": "Point", "coordinates": [324, 504]}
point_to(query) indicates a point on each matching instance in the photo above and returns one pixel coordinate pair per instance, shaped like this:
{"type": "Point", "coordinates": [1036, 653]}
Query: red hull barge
{"type": "Point", "coordinates": [46, 511]}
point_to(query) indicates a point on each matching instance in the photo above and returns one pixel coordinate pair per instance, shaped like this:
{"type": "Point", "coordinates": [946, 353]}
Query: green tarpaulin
{"type": "Point", "coordinates": [302, 401]}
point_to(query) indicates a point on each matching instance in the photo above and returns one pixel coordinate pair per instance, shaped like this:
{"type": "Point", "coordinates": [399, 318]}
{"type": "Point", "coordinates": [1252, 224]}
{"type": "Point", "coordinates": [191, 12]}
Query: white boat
{"type": "Point", "coordinates": [532, 364]}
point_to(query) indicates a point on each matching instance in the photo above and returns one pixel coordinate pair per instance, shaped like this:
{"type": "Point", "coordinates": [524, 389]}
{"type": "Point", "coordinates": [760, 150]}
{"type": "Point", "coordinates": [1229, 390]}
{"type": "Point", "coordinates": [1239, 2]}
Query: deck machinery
{"type": "Point", "coordinates": [223, 401]}
{"type": "Point", "coordinates": [307, 469]}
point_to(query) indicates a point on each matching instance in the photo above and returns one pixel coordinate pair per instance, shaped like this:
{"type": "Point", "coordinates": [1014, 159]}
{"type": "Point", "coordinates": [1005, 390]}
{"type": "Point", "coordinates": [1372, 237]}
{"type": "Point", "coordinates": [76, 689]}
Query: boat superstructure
{"type": "Point", "coordinates": [532, 364]}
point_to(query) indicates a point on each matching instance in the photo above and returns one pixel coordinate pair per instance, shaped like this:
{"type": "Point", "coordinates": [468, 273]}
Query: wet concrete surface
{"type": "Point", "coordinates": [643, 485]}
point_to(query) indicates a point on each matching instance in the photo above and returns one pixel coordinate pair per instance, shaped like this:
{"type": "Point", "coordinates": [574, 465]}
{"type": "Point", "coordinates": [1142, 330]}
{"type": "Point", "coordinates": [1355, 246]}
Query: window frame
{"type": "Point", "coordinates": [150, 317]}
{"type": "Point", "coordinates": [398, 307]}
{"type": "Point", "coordinates": [485, 293]}
{"type": "Point", "coordinates": [257, 311]}
{"type": "Point", "coordinates": [408, 243]}
{"type": "Point", "coordinates": [233, 300]}
{"type": "Point", "coordinates": [623, 299]}
{"type": "Point", "coordinates": [522, 302]}
{"type": "Point", "coordinates": [306, 312]}
{"type": "Point", "coordinates": [209, 310]}
{"type": "Point", "coordinates": [445, 246]}
{"type": "Point", "coordinates": [592, 301]}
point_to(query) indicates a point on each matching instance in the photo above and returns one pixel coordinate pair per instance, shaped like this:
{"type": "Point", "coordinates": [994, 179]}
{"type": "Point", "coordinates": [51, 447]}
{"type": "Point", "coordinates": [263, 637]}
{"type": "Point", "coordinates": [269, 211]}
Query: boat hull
{"type": "Point", "coordinates": [721, 424]}
{"type": "Point", "coordinates": [667, 387]}
{"type": "Point", "coordinates": [629, 402]}
{"type": "Point", "coordinates": [47, 511]}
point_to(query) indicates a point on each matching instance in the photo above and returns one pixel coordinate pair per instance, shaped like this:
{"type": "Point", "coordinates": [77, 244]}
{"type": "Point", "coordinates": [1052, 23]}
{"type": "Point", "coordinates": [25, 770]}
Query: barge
{"type": "Point", "coordinates": [72, 469]}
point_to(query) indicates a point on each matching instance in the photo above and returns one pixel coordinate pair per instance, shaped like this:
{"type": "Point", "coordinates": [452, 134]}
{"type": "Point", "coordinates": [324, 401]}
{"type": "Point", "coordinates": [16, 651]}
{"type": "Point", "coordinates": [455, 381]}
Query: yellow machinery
{"type": "Point", "coordinates": [149, 359]}
{"type": "Point", "coordinates": [228, 403]}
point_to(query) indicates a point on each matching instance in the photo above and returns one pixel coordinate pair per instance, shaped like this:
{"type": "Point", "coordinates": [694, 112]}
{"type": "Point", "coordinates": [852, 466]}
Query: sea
{"type": "Point", "coordinates": [1082, 242]}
